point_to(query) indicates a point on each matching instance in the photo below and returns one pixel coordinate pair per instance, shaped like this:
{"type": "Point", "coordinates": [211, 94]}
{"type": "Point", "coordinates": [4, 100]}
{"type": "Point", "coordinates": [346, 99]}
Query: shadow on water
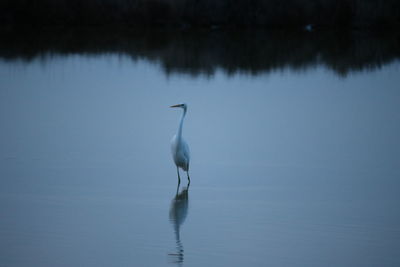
{"type": "Point", "coordinates": [177, 215]}
{"type": "Point", "coordinates": [202, 52]}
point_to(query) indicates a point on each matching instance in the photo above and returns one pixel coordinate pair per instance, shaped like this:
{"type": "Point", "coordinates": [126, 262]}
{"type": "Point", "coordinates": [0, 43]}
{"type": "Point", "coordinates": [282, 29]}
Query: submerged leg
{"type": "Point", "coordinates": [187, 172]}
{"type": "Point", "coordinates": [177, 190]}
{"type": "Point", "coordinates": [179, 177]}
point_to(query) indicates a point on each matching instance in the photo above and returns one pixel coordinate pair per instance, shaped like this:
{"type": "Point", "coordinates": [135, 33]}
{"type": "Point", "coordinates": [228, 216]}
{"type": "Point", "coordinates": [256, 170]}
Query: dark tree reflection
{"type": "Point", "coordinates": [204, 51]}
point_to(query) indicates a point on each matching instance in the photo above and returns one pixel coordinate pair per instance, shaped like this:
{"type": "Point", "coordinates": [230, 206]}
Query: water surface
{"type": "Point", "coordinates": [294, 158]}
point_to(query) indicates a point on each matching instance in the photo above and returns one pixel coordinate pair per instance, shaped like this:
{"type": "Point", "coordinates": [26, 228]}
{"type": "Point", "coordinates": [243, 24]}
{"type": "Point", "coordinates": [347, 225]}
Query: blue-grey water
{"type": "Point", "coordinates": [291, 166]}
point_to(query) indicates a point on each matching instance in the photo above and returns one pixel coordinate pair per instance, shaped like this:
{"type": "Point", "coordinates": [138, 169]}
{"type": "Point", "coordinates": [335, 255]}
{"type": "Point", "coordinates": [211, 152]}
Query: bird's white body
{"type": "Point", "coordinates": [180, 152]}
{"type": "Point", "coordinates": [179, 147]}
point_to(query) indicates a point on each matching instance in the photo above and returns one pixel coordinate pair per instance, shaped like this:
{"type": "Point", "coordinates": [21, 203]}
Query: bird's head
{"type": "Point", "coordinates": [183, 105]}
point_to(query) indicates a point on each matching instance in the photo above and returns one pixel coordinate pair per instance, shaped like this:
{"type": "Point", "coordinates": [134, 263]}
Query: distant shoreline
{"type": "Point", "coordinates": [373, 15]}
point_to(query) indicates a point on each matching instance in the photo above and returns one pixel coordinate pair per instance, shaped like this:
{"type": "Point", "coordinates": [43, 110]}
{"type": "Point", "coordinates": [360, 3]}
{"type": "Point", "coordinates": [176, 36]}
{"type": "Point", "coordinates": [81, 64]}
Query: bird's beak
{"type": "Point", "coordinates": [176, 106]}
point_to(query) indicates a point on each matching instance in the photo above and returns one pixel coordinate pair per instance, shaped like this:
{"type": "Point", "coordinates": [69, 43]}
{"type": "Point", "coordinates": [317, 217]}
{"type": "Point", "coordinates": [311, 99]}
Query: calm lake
{"type": "Point", "coordinates": [294, 140]}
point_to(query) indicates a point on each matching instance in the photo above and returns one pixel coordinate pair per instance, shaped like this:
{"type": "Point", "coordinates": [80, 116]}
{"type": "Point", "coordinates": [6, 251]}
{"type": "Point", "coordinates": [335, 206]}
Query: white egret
{"type": "Point", "coordinates": [179, 148]}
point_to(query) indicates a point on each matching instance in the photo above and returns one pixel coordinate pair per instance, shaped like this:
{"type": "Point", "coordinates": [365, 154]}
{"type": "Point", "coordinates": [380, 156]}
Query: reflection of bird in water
{"type": "Point", "coordinates": [177, 215]}
{"type": "Point", "coordinates": [179, 148]}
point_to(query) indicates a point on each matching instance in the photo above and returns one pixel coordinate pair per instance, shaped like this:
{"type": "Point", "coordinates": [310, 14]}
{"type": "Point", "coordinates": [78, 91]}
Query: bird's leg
{"type": "Point", "coordinates": [187, 172]}
{"type": "Point", "coordinates": [177, 190]}
{"type": "Point", "coordinates": [179, 177]}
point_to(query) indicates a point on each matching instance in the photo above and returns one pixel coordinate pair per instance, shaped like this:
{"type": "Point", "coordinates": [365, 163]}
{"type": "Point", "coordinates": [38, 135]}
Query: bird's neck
{"type": "Point", "coordinates": [179, 134]}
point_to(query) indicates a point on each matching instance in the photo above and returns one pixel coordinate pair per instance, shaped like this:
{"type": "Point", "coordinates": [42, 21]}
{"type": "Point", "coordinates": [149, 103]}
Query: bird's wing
{"type": "Point", "coordinates": [186, 150]}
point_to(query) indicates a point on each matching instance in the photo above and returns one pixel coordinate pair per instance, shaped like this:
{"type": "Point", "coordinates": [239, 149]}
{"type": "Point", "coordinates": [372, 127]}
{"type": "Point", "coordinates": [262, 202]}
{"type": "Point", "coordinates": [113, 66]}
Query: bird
{"type": "Point", "coordinates": [179, 147]}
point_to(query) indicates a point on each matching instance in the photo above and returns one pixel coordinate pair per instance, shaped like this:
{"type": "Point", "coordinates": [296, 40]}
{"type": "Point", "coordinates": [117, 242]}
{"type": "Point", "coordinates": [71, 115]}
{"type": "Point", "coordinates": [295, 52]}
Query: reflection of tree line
{"type": "Point", "coordinates": [202, 52]}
